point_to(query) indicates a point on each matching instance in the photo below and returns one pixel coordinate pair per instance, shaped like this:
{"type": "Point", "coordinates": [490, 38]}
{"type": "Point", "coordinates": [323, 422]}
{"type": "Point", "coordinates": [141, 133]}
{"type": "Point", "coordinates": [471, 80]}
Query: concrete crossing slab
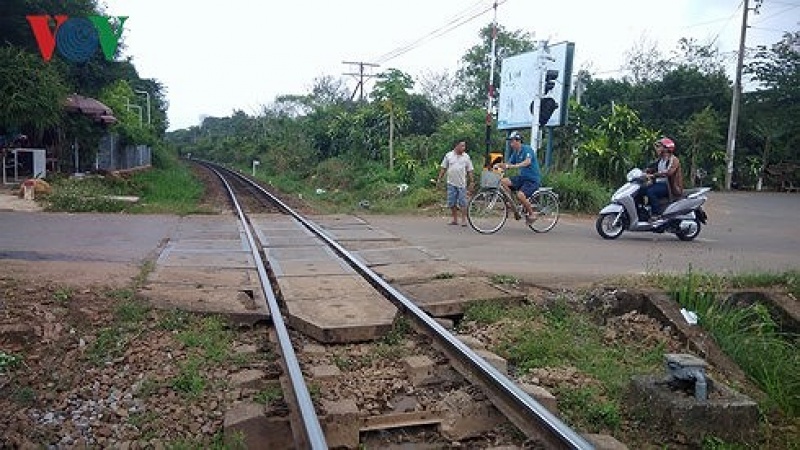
{"type": "Point", "coordinates": [204, 276]}
{"type": "Point", "coordinates": [418, 272]}
{"type": "Point", "coordinates": [396, 255]}
{"type": "Point", "coordinates": [203, 258]}
{"type": "Point", "coordinates": [450, 297]}
{"type": "Point", "coordinates": [242, 305]}
{"type": "Point", "coordinates": [309, 268]}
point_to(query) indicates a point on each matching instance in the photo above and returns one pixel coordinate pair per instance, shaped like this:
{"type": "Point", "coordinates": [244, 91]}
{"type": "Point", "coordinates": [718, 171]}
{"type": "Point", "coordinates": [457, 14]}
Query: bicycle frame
{"type": "Point", "coordinates": [487, 216]}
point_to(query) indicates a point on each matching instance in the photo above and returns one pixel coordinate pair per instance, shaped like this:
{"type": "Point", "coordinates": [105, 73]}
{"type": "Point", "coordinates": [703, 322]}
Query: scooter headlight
{"type": "Point", "coordinates": [634, 174]}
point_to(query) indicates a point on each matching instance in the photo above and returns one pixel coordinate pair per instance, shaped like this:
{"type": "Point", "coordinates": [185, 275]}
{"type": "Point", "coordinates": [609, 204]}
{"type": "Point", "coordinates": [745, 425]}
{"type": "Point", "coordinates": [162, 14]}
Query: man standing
{"type": "Point", "coordinates": [460, 171]}
{"type": "Point", "coordinates": [528, 180]}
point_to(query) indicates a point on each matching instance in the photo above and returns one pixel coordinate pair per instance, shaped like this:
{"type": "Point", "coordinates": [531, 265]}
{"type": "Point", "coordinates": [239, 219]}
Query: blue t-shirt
{"type": "Point", "coordinates": [531, 172]}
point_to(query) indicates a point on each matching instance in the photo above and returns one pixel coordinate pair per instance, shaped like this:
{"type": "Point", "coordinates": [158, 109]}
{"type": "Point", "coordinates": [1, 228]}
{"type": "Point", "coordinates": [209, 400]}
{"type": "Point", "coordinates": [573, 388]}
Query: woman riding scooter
{"type": "Point", "coordinates": [667, 177]}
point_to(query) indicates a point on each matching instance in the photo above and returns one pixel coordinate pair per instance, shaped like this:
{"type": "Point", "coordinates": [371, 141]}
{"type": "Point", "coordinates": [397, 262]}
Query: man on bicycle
{"type": "Point", "coordinates": [524, 184]}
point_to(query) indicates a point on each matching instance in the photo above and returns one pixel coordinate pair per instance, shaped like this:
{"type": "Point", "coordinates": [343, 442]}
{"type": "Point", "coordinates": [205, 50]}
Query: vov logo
{"type": "Point", "coordinates": [77, 38]}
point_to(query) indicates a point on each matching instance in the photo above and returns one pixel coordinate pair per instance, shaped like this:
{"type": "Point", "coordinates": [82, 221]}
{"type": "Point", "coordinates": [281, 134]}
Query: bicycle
{"type": "Point", "coordinates": [489, 208]}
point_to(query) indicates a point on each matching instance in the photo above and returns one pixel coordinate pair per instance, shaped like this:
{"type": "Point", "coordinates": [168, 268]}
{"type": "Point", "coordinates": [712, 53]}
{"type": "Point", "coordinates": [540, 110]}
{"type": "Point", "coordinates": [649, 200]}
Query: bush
{"type": "Point", "coordinates": [576, 192]}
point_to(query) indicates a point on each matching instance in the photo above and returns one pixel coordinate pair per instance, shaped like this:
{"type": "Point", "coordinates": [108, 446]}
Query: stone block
{"type": "Point", "coordinates": [341, 423]}
{"type": "Point", "coordinates": [325, 372]}
{"type": "Point", "coordinates": [726, 414]}
{"type": "Point", "coordinates": [257, 430]}
{"type": "Point", "coordinates": [541, 395]}
{"type": "Point", "coordinates": [447, 324]}
{"type": "Point", "coordinates": [471, 342]}
{"type": "Point", "coordinates": [604, 442]}
{"type": "Point", "coordinates": [248, 379]}
{"type": "Point", "coordinates": [420, 369]}
{"type": "Point", "coordinates": [465, 418]}
{"type": "Point", "coordinates": [498, 362]}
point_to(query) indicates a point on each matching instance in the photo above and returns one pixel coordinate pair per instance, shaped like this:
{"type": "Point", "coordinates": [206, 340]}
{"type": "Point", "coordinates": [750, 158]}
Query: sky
{"type": "Point", "coordinates": [216, 57]}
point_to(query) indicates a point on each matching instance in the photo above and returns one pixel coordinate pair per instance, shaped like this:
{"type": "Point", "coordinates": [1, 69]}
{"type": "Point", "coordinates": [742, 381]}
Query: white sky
{"type": "Point", "coordinates": [217, 56]}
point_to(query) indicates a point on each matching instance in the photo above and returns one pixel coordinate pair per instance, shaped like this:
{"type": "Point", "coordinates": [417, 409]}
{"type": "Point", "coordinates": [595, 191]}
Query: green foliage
{"type": "Point", "coordinates": [596, 413]}
{"type": "Point", "coordinates": [474, 70]}
{"type": "Point", "coordinates": [209, 336]}
{"type": "Point", "coordinates": [577, 192]}
{"type": "Point", "coordinates": [269, 395]}
{"type": "Point", "coordinates": [32, 92]}
{"type": "Point", "coordinates": [63, 294]}
{"type": "Point", "coordinates": [90, 194]}
{"type": "Point", "coordinates": [131, 311]}
{"type": "Point", "coordinates": [9, 361]}
{"type": "Point", "coordinates": [190, 380]}
{"type": "Point", "coordinates": [617, 144]}
{"type": "Point", "coordinates": [750, 336]}
{"type": "Point", "coordinates": [131, 123]}
{"type": "Point", "coordinates": [109, 343]}
{"type": "Point", "coordinates": [485, 312]}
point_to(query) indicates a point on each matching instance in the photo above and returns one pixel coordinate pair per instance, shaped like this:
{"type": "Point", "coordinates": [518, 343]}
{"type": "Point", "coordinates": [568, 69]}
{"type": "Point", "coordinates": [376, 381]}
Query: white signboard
{"type": "Point", "coordinates": [519, 85]}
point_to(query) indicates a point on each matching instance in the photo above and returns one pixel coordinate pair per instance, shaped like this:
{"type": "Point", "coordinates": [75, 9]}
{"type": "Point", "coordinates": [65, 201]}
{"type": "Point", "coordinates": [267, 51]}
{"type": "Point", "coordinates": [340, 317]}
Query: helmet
{"type": "Point", "coordinates": [667, 143]}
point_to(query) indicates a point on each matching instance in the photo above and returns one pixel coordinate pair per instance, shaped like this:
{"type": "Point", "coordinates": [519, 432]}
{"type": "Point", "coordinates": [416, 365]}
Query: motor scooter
{"type": "Point", "coordinates": [627, 212]}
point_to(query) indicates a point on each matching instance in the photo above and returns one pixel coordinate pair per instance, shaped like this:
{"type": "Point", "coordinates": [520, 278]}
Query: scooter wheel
{"type": "Point", "coordinates": [691, 234]}
{"type": "Point", "coordinates": [607, 228]}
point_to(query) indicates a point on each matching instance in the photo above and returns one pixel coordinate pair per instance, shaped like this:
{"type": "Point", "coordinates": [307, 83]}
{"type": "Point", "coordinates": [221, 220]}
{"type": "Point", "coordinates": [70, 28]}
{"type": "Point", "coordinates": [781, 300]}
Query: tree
{"type": "Point", "coordinates": [33, 93]}
{"type": "Point", "coordinates": [391, 92]}
{"type": "Point", "coordinates": [644, 61]}
{"type": "Point", "coordinates": [777, 70]}
{"type": "Point", "coordinates": [327, 91]}
{"type": "Point", "coordinates": [473, 75]}
{"type": "Point", "coordinates": [702, 136]}
{"type": "Point", "coordinates": [440, 88]}
{"type": "Point", "coordinates": [705, 58]}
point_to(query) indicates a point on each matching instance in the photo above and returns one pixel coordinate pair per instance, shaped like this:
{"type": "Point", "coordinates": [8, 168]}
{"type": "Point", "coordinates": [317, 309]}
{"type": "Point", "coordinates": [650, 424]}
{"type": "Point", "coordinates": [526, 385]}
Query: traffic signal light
{"type": "Point", "coordinates": [546, 109]}
{"type": "Point", "coordinates": [550, 80]}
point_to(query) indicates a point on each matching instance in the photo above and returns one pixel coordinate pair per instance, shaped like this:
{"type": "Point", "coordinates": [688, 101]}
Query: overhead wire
{"type": "Point", "coordinates": [460, 19]}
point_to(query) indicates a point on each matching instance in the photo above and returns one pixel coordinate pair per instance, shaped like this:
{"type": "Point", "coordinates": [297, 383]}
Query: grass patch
{"type": "Point", "coordinates": [174, 320]}
{"type": "Point", "coordinates": [63, 295]}
{"type": "Point", "coordinates": [9, 361]}
{"type": "Point", "coordinates": [750, 336]}
{"type": "Point", "coordinates": [269, 395]}
{"type": "Point", "coordinates": [485, 312]}
{"type": "Point", "coordinates": [131, 312]}
{"type": "Point", "coordinates": [23, 395]}
{"type": "Point", "coordinates": [190, 380]}
{"type": "Point", "coordinates": [503, 279]}
{"type": "Point", "coordinates": [210, 336]}
{"type": "Point", "coordinates": [558, 338]}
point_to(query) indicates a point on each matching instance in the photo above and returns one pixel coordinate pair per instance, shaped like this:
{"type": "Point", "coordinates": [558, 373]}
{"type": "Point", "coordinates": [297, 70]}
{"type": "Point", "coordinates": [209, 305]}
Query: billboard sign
{"type": "Point", "coordinates": [521, 79]}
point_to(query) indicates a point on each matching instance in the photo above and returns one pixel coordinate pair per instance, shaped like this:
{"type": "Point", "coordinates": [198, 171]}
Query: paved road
{"type": "Point", "coordinates": [747, 232]}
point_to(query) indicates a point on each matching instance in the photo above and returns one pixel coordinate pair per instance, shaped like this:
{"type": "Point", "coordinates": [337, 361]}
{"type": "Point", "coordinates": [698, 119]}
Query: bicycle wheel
{"type": "Point", "coordinates": [545, 203]}
{"type": "Point", "coordinates": [487, 211]}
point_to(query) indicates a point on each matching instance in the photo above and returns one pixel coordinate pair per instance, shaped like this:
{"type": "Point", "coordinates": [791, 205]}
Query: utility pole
{"type": "Point", "coordinates": [490, 90]}
{"type": "Point", "coordinates": [360, 75]}
{"type": "Point", "coordinates": [737, 93]}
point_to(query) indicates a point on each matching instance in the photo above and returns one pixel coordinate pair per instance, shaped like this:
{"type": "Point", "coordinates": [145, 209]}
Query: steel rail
{"type": "Point", "coordinates": [525, 412]}
{"type": "Point", "coordinates": [312, 430]}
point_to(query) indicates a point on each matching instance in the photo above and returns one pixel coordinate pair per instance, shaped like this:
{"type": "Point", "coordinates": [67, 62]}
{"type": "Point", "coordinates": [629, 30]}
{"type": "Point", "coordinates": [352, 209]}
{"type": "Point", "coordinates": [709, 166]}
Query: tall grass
{"type": "Point", "coordinates": [751, 337]}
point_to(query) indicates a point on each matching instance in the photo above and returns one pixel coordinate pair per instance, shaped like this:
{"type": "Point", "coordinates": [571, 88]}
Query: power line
{"type": "Point", "coordinates": [460, 19]}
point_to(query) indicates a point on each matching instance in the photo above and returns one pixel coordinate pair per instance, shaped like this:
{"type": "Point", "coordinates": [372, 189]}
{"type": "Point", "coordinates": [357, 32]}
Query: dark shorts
{"type": "Point", "coordinates": [525, 185]}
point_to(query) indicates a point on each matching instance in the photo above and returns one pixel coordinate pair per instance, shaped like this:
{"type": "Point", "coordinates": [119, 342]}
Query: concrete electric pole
{"type": "Point", "coordinates": [360, 75]}
{"type": "Point", "coordinates": [737, 94]}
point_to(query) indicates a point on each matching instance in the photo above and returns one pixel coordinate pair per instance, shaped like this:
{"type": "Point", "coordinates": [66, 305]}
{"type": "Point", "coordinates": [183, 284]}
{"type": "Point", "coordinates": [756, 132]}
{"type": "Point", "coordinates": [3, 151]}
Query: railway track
{"type": "Point", "coordinates": [327, 419]}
